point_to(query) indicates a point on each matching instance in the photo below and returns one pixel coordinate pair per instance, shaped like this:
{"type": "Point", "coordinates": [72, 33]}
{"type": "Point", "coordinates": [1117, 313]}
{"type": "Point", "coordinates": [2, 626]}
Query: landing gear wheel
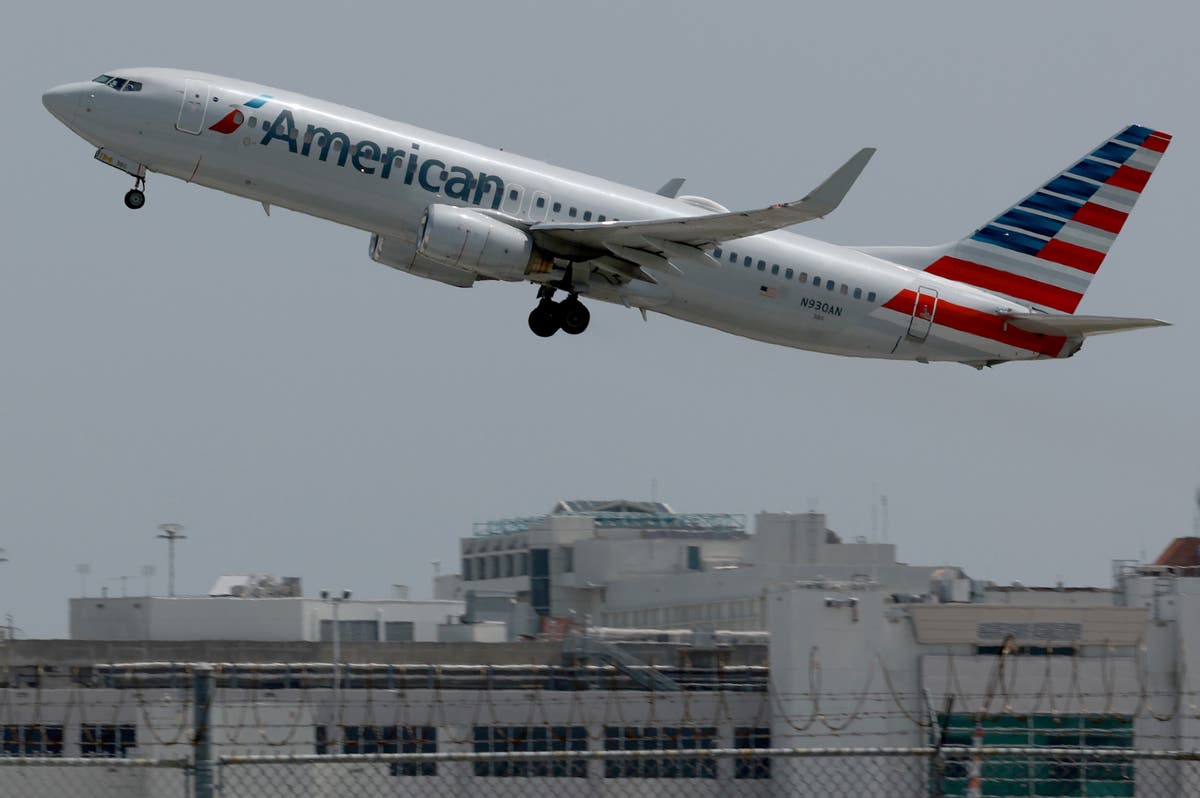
{"type": "Point", "coordinates": [134, 199]}
{"type": "Point", "coordinates": [544, 319]}
{"type": "Point", "coordinates": [573, 316]}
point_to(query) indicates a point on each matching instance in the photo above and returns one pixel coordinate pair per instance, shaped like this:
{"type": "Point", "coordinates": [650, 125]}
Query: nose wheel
{"type": "Point", "coordinates": [570, 315]}
{"type": "Point", "coordinates": [135, 197]}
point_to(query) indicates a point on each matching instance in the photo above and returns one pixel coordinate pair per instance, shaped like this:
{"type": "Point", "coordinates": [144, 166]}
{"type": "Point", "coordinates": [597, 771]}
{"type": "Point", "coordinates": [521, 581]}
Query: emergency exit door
{"type": "Point", "coordinates": [922, 317]}
{"type": "Point", "coordinates": [195, 104]}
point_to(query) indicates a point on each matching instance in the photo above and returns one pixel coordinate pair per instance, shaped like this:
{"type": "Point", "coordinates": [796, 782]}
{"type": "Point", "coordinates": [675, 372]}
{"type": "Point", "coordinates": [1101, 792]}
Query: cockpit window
{"type": "Point", "coordinates": [118, 84]}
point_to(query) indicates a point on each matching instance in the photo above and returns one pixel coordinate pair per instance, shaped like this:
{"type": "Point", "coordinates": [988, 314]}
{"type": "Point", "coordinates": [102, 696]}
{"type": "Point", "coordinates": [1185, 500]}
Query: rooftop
{"type": "Point", "coordinates": [622, 514]}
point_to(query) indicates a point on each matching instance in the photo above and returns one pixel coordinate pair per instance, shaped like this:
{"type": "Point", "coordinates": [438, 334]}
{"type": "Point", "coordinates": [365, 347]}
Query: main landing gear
{"type": "Point", "coordinates": [570, 315]}
{"type": "Point", "coordinates": [136, 196]}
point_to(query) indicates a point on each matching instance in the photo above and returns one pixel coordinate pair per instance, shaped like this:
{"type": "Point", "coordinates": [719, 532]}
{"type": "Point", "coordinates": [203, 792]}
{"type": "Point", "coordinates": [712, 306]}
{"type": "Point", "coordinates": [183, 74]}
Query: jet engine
{"type": "Point", "coordinates": [402, 255]}
{"type": "Point", "coordinates": [464, 239]}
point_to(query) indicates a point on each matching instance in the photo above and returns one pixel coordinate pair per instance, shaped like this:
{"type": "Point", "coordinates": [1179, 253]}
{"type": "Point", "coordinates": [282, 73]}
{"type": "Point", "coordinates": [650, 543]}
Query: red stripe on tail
{"type": "Point", "coordinates": [1101, 216]}
{"type": "Point", "coordinates": [1077, 257]}
{"type": "Point", "coordinates": [989, 279]}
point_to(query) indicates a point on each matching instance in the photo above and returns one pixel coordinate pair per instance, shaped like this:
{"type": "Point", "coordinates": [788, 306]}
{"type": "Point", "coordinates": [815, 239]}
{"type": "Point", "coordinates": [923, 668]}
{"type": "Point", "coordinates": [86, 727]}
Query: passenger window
{"type": "Point", "coordinates": [600, 218]}
{"type": "Point", "coordinates": [816, 282]}
{"type": "Point", "coordinates": [254, 121]}
{"type": "Point", "coordinates": [858, 293]}
{"type": "Point", "coordinates": [762, 265]}
{"type": "Point", "coordinates": [133, 85]}
{"type": "Point", "coordinates": [774, 268]}
{"type": "Point", "coordinates": [556, 207]}
{"type": "Point", "coordinates": [717, 252]}
{"type": "Point", "coordinates": [845, 289]}
{"type": "Point", "coordinates": [733, 257]}
{"type": "Point", "coordinates": [829, 285]}
{"type": "Point", "coordinates": [871, 296]}
{"type": "Point", "coordinates": [571, 213]}
{"type": "Point", "coordinates": [803, 277]}
{"type": "Point", "coordinates": [749, 261]}
{"type": "Point", "coordinates": [587, 216]}
{"type": "Point", "coordinates": [788, 274]}
{"type": "Point", "coordinates": [541, 202]}
{"type": "Point", "coordinates": [512, 195]}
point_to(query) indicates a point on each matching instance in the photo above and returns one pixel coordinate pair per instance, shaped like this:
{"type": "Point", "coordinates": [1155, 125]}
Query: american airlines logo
{"type": "Point", "coordinates": [370, 158]}
{"type": "Point", "coordinates": [234, 119]}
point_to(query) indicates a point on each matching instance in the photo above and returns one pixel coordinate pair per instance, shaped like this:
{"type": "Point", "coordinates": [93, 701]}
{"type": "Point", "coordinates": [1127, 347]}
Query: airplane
{"type": "Point", "coordinates": [458, 212]}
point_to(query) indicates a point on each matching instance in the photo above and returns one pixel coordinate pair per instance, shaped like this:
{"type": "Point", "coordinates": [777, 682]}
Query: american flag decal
{"type": "Point", "coordinates": [767, 291]}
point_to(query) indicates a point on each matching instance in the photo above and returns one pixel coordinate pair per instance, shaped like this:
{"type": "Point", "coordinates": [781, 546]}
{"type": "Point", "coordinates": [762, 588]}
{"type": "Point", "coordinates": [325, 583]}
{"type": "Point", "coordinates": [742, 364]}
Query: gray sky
{"type": "Point", "coordinates": [305, 411]}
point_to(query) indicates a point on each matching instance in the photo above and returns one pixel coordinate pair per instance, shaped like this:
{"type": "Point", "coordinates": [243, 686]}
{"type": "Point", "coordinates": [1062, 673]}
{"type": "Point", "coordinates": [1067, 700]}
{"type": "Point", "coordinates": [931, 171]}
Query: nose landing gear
{"type": "Point", "coordinates": [136, 197]}
{"type": "Point", "coordinates": [570, 315]}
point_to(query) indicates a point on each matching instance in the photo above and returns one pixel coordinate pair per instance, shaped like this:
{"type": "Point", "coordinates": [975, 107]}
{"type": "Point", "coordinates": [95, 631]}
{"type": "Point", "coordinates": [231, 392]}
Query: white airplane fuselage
{"type": "Point", "coordinates": [380, 176]}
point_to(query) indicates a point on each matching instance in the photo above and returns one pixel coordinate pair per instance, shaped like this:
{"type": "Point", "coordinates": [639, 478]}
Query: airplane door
{"type": "Point", "coordinates": [195, 104]}
{"type": "Point", "coordinates": [922, 316]}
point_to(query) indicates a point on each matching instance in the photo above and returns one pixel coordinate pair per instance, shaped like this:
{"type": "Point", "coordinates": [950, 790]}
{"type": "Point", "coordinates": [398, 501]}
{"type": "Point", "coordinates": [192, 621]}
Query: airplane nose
{"type": "Point", "coordinates": [62, 102]}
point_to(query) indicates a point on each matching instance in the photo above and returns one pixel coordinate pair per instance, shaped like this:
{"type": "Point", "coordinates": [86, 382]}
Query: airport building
{"type": "Point", "coordinates": [844, 647]}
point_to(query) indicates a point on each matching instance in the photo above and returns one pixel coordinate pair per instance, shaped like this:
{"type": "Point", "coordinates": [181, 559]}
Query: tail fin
{"type": "Point", "coordinates": [1045, 250]}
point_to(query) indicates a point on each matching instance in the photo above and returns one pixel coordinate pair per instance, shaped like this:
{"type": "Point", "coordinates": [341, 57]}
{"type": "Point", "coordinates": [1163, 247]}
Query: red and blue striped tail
{"type": "Point", "coordinates": [1045, 250]}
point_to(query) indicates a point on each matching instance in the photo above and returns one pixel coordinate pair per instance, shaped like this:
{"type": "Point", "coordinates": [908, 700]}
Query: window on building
{"type": "Point", "coordinates": [504, 739]}
{"type": "Point", "coordinates": [466, 568]}
{"type": "Point", "coordinates": [399, 631]}
{"type": "Point", "coordinates": [568, 559]}
{"type": "Point", "coordinates": [523, 564]}
{"type": "Point", "coordinates": [693, 558]}
{"type": "Point", "coordinates": [32, 740]}
{"type": "Point", "coordinates": [666, 738]}
{"type": "Point", "coordinates": [351, 631]}
{"type": "Point", "coordinates": [1035, 775]}
{"type": "Point", "coordinates": [384, 740]}
{"type": "Point", "coordinates": [510, 565]}
{"type": "Point", "coordinates": [758, 767]}
{"type": "Point", "coordinates": [106, 740]}
{"type": "Point", "coordinates": [539, 580]}
{"type": "Point", "coordinates": [494, 566]}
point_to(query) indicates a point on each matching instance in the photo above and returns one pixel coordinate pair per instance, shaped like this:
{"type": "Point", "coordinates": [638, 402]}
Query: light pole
{"type": "Point", "coordinates": [171, 533]}
{"type": "Point", "coordinates": [336, 601]}
{"type": "Point", "coordinates": [83, 569]}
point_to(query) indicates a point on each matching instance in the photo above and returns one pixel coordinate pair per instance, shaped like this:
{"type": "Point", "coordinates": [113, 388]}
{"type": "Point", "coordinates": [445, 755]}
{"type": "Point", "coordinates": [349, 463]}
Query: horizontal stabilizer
{"type": "Point", "coordinates": [1078, 326]}
{"type": "Point", "coordinates": [709, 229]}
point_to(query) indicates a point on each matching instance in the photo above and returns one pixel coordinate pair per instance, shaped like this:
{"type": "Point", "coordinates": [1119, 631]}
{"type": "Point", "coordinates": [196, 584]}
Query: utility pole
{"type": "Point", "coordinates": [336, 601]}
{"type": "Point", "coordinates": [171, 533]}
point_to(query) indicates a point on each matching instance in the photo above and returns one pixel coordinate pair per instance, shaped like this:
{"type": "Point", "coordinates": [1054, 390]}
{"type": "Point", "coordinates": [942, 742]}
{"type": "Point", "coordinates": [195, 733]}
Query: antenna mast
{"type": "Point", "coordinates": [171, 533]}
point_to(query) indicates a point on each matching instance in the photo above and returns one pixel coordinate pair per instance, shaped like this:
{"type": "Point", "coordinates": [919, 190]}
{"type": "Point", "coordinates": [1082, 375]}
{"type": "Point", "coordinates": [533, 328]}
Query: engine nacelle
{"type": "Point", "coordinates": [460, 238]}
{"type": "Point", "coordinates": [404, 256]}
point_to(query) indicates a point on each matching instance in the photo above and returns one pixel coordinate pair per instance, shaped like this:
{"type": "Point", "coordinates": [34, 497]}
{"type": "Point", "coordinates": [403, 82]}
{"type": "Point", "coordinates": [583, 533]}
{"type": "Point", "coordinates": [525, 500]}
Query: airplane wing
{"type": "Point", "coordinates": [708, 229]}
{"type": "Point", "coordinates": [1077, 326]}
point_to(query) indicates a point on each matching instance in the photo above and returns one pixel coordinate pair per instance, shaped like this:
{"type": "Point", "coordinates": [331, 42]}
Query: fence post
{"type": "Point", "coordinates": [202, 762]}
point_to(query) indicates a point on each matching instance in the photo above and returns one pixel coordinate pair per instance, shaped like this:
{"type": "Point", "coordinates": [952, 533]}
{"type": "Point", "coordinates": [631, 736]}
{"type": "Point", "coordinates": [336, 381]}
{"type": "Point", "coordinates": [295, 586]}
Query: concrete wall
{"type": "Point", "coordinates": [262, 619]}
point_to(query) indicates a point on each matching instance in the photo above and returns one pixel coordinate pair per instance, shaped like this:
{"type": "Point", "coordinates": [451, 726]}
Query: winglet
{"type": "Point", "coordinates": [671, 187]}
{"type": "Point", "coordinates": [827, 196]}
